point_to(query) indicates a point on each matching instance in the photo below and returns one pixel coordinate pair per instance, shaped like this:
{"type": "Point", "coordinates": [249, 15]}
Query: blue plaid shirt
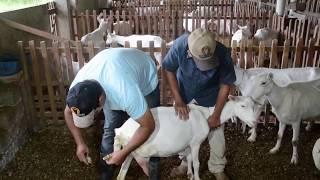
{"type": "Point", "coordinates": [203, 86]}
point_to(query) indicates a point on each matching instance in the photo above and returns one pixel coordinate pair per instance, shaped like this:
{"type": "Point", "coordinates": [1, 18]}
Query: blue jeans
{"type": "Point", "coordinates": [115, 119]}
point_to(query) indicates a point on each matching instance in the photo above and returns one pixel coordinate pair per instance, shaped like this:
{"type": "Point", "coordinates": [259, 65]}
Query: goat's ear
{"type": "Point", "coordinates": [270, 76]}
{"type": "Point", "coordinates": [99, 17]}
{"type": "Point", "coordinates": [233, 98]}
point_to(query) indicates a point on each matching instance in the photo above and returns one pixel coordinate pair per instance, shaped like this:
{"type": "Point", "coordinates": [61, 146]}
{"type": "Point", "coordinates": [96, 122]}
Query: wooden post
{"type": "Point", "coordinates": [67, 51]}
{"type": "Point", "coordinates": [47, 73]}
{"type": "Point", "coordinates": [56, 58]}
{"type": "Point", "coordinates": [163, 75]}
{"type": "Point", "coordinates": [261, 56]}
{"type": "Point", "coordinates": [83, 24]}
{"type": "Point", "coordinates": [310, 57]}
{"type": "Point", "coordinates": [285, 54]}
{"type": "Point", "coordinates": [88, 21]}
{"type": "Point", "coordinates": [243, 61]}
{"type": "Point", "coordinates": [274, 53]}
{"type": "Point", "coordinates": [80, 54]}
{"type": "Point", "coordinates": [94, 19]}
{"type": "Point", "coordinates": [33, 123]}
{"type": "Point", "coordinates": [36, 76]}
{"type": "Point", "coordinates": [91, 49]}
{"type": "Point", "coordinates": [297, 58]}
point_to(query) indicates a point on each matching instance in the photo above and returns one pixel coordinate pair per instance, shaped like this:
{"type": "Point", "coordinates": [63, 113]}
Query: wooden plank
{"type": "Point", "coordinates": [32, 30]}
{"type": "Point", "coordinates": [298, 55]}
{"type": "Point", "coordinates": [88, 21]}
{"type": "Point", "coordinates": [67, 52]}
{"type": "Point", "coordinates": [261, 55]}
{"type": "Point", "coordinates": [80, 54]}
{"type": "Point", "coordinates": [126, 44]}
{"type": "Point", "coordinates": [174, 25]}
{"type": "Point", "coordinates": [243, 61]}
{"type": "Point", "coordinates": [83, 24]}
{"type": "Point", "coordinates": [33, 122]}
{"type": "Point", "coordinates": [250, 57]}
{"type": "Point", "coordinates": [310, 58]}
{"type": "Point", "coordinates": [274, 53]}
{"type": "Point", "coordinates": [91, 50]}
{"type": "Point", "coordinates": [36, 76]}
{"type": "Point", "coordinates": [149, 26]}
{"type": "Point", "coordinates": [180, 22]}
{"type": "Point", "coordinates": [55, 52]}
{"type": "Point", "coordinates": [285, 54]}
{"type": "Point", "coordinates": [94, 19]}
{"type": "Point", "coordinates": [163, 75]}
{"type": "Point", "coordinates": [151, 52]}
{"type": "Point", "coordinates": [47, 73]}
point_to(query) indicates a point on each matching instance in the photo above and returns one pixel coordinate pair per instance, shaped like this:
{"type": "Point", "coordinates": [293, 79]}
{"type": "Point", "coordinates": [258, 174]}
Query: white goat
{"type": "Point", "coordinates": [242, 33]}
{"type": "Point", "coordinates": [121, 27]}
{"type": "Point", "coordinates": [220, 30]}
{"type": "Point", "coordinates": [316, 154]}
{"type": "Point", "coordinates": [283, 76]}
{"type": "Point", "coordinates": [97, 35]}
{"type": "Point", "coordinates": [266, 35]}
{"type": "Point", "coordinates": [172, 135]}
{"type": "Point", "coordinates": [291, 104]}
{"type": "Point", "coordinates": [132, 39]}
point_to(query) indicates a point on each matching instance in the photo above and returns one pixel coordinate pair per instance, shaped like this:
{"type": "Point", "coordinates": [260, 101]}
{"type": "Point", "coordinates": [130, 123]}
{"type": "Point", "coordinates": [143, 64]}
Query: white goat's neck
{"type": "Point", "coordinates": [227, 112]}
{"type": "Point", "coordinates": [277, 92]}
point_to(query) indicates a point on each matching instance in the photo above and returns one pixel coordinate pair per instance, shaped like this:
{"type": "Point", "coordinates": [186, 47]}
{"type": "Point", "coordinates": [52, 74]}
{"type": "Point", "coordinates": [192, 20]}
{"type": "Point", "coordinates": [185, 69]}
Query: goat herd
{"type": "Point", "coordinates": [293, 93]}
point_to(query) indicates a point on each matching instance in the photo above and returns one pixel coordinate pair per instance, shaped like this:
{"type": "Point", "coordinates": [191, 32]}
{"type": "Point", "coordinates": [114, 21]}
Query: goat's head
{"type": "Point", "coordinates": [242, 33]}
{"type": "Point", "coordinates": [260, 85]}
{"type": "Point", "coordinates": [246, 109]}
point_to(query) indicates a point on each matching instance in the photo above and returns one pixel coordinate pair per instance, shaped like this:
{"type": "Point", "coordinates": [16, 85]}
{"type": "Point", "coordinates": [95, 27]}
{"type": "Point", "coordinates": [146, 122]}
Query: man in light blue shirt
{"type": "Point", "coordinates": [124, 83]}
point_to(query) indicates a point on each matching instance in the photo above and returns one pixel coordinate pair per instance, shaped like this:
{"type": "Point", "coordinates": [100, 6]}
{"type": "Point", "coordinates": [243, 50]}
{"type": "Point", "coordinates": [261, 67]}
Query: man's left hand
{"type": "Point", "coordinates": [115, 158]}
{"type": "Point", "coordinates": [214, 122]}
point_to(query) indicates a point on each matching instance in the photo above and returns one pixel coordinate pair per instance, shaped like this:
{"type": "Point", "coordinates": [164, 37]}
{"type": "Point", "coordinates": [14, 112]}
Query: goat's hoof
{"type": "Point", "coordinates": [251, 139]}
{"type": "Point", "coordinates": [190, 176]}
{"type": "Point", "coordinates": [273, 151]}
{"type": "Point", "coordinates": [294, 160]}
{"type": "Point", "coordinates": [178, 171]}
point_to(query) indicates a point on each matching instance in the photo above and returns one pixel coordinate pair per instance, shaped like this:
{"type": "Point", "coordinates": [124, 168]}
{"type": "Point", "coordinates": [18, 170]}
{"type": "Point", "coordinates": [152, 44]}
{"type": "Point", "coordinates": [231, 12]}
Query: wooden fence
{"type": "Point", "coordinates": [44, 66]}
{"type": "Point", "coordinates": [169, 24]}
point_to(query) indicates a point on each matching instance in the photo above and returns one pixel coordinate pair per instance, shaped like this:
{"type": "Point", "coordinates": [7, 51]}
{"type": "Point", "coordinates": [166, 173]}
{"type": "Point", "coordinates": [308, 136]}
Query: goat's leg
{"type": "Point", "coordinates": [124, 168]}
{"type": "Point", "coordinates": [143, 163]}
{"type": "Point", "coordinates": [189, 161]}
{"type": "Point", "coordinates": [195, 159]}
{"type": "Point", "coordinates": [244, 125]}
{"type": "Point", "coordinates": [295, 139]}
{"type": "Point", "coordinates": [275, 149]}
{"type": "Point", "coordinates": [253, 136]}
{"type": "Point", "coordinates": [309, 125]}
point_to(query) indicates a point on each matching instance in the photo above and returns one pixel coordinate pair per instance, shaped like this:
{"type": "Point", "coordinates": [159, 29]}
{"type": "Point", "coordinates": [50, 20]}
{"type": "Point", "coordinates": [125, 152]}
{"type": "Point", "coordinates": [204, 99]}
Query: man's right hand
{"type": "Point", "coordinates": [182, 110]}
{"type": "Point", "coordinates": [82, 153]}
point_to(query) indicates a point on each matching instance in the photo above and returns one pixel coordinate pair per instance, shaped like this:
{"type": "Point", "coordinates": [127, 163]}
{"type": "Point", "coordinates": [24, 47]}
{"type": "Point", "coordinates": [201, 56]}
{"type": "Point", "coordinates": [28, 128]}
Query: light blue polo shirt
{"type": "Point", "coordinates": [126, 75]}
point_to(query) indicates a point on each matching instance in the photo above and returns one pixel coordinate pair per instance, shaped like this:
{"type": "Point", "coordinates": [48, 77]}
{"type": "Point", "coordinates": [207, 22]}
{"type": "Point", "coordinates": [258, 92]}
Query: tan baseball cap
{"type": "Point", "coordinates": [202, 45]}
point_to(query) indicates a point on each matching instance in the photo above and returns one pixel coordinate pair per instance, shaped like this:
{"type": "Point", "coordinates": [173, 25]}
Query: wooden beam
{"type": "Point", "coordinates": [33, 30]}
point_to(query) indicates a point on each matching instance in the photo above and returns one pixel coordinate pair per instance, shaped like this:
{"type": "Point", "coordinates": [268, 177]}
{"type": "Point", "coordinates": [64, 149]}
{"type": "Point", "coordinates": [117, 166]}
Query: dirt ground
{"type": "Point", "coordinates": [50, 154]}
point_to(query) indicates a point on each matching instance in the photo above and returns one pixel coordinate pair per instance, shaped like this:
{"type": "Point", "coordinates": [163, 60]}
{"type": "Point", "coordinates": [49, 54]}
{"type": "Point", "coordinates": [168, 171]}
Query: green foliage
{"type": "Point", "coordinates": [9, 5]}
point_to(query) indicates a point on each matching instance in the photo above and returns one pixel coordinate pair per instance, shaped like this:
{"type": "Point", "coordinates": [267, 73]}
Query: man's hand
{"type": "Point", "coordinates": [182, 110]}
{"type": "Point", "coordinates": [115, 158]}
{"type": "Point", "coordinates": [82, 153]}
{"type": "Point", "coordinates": [214, 121]}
